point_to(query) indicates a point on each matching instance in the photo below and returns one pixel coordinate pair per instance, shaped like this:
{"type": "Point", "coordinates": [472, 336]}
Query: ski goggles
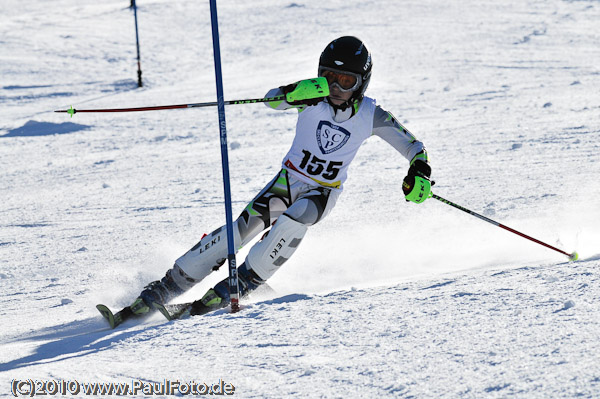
{"type": "Point", "coordinates": [345, 81]}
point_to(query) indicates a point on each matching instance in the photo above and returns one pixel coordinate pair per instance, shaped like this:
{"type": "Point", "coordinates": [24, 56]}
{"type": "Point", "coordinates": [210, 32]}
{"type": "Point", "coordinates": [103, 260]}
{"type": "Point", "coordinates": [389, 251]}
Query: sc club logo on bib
{"type": "Point", "coordinates": [331, 137]}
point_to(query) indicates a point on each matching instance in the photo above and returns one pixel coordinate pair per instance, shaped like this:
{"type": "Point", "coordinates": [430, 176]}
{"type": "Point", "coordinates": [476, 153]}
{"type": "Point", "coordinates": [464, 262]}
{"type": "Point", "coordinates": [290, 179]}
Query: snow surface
{"type": "Point", "coordinates": [384, 298]}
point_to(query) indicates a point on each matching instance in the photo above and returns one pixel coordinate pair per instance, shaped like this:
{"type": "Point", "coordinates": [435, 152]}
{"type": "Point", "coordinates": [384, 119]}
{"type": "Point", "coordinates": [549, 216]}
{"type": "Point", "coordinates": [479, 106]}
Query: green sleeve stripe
{"type": "Point", "coordinates": [274, 104]}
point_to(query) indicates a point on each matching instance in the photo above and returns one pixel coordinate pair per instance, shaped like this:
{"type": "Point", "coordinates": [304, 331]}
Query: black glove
{"type": "Point", "coordinates": [419, 169]}
{"type": "Point", "coordinates": [310, 102]}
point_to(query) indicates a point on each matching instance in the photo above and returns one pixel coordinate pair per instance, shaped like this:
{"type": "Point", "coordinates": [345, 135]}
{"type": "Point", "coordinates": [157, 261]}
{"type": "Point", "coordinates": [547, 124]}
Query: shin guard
{"type": "Point", "coordinates": [208, 255]}
{"type": "Point", "coordinates": [276, 248]}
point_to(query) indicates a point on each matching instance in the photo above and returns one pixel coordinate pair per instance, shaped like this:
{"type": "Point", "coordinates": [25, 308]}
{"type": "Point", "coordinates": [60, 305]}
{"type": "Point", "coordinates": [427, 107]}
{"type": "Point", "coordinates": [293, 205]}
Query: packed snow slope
{"type": "Point", "coordinates": [384, 298]}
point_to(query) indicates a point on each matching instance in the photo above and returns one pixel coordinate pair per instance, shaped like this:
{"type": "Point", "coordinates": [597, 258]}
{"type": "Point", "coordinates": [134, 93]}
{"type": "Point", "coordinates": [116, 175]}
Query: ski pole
{"type": "Point", "coordinates": [572, 257]}
{"type": "Point", "coordinates": [72, 111]}
{"type": "Point", "coordinates": [306, 89]}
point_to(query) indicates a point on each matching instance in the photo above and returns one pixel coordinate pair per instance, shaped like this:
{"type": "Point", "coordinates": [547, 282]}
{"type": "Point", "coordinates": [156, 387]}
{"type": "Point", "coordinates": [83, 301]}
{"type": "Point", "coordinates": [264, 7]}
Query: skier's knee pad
{"type": "Point", "coordinates": [208, 255]}
{"type": "Point", "coordinates": [276, 248]}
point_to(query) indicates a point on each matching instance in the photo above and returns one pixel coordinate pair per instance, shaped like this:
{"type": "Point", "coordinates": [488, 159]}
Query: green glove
{"type": "Point", "coordinates": [416, 185]}
{"type": "Point", "coordinates": [306, 92]}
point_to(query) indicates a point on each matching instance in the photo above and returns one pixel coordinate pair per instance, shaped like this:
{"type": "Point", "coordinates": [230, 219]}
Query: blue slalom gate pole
{"type": "Point", "coordinates": [137, 42]}
{"type": "Point", "coordinates": [233, 277]}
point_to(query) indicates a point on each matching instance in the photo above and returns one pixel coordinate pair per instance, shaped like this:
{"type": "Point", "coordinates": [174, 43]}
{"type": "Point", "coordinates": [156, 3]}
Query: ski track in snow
{"type": "Point", "coordinates": [384, 298]}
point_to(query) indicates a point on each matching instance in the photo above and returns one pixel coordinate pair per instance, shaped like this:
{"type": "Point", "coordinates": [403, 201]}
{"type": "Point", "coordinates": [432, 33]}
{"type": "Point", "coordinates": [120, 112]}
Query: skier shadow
{"type": "Point", "coordinates": [90, 336]}
{"type": "Point", "coordinates": [76, 339]}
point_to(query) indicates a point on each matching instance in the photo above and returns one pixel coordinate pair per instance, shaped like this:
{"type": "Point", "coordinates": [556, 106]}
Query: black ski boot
{"type": "Point", "coordinates": [160, 291]}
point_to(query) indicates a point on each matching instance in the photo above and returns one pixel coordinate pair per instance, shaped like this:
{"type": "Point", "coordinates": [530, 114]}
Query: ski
{"type": "Point", "coordinates": [174, 312]}
{"type": "Point", "coordinates": [185, 310]}
{"type": "Point", "coordinates": [197, 308]}
{"type": "Point", "coordinates": [114, 319]}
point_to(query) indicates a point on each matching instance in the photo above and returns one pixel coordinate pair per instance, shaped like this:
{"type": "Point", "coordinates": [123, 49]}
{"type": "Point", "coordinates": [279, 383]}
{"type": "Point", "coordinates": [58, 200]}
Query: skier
{"type": "Point", "coordinates": [329, 132]}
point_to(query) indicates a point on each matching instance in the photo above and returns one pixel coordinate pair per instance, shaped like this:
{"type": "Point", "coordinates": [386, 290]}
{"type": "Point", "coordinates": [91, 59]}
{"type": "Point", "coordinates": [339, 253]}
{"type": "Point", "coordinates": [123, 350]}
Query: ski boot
{"type": "Point", "coordinates": [215, 298]}
{"type": "Point", "coordinates": [160, 291]}
{"type": "Point", "coordinates": [219, 297]}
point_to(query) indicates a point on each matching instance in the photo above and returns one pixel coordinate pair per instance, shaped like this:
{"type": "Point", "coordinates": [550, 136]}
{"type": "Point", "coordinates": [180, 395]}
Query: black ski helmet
{"type": "Point", "coordinates": [348, 54]}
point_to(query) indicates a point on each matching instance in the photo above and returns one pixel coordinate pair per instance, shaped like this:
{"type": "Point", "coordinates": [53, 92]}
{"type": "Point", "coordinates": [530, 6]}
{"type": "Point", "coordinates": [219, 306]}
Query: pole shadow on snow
{"type": "Point", "coordinates": [73, 340]}
{"type": "Point", "coordinates": [593, 257]}
{"type": "Point", "coordinates": [34, 128]}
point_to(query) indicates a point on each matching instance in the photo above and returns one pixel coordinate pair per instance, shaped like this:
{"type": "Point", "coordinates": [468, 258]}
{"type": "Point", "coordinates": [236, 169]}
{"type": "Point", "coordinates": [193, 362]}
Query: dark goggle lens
{"type": "Point", "coordinates": [345, 81]}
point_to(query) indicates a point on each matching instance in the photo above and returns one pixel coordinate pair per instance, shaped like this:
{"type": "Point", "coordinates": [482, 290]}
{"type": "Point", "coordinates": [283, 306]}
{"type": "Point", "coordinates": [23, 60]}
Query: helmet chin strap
{"type": "Point", "coordinates": [343, 106]}
{"type": "Point", "coordinates": [344, 111]}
